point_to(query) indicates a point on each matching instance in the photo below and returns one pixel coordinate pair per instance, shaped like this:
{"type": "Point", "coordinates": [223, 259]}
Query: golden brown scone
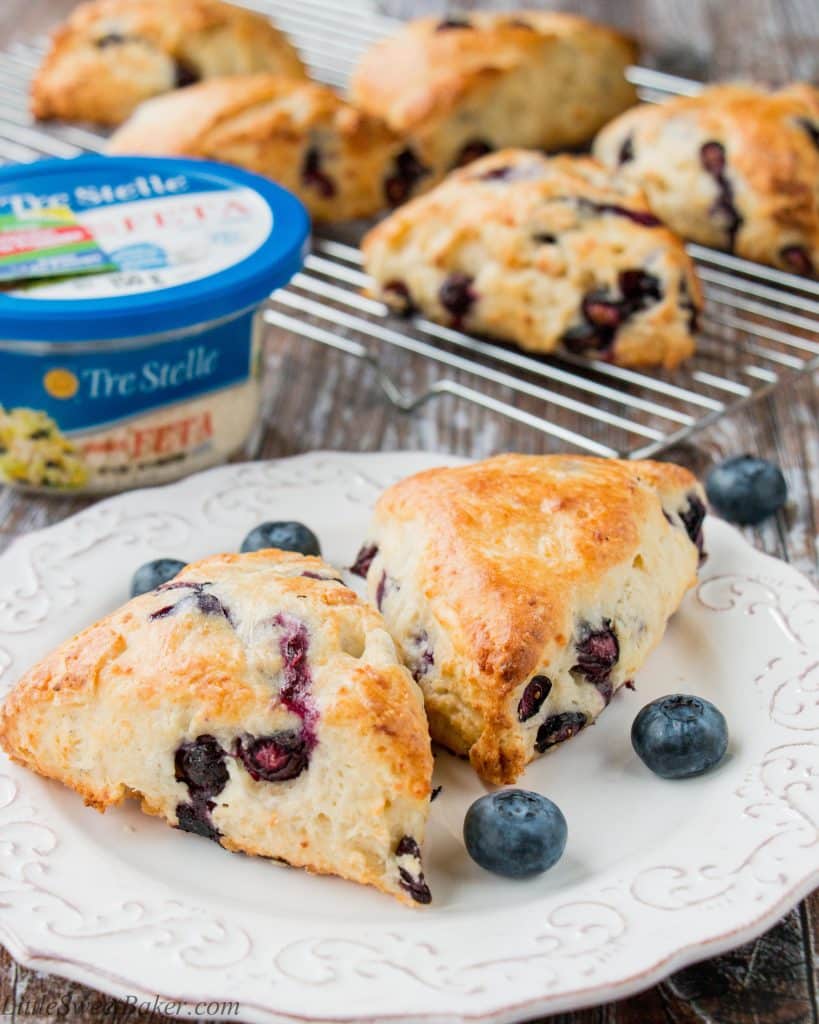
{"type": "Point", "coordinates": [735, 168]}
{"type": "Point", "coordinates": [112, 54]}
{"type": "Point", "coordinates": [523, 591]}
{"type": "Point", "coordinates": [543, 252]}
{"type": "Point", "coordinates": [254, 700]}
{"type": "Point", "coordinates": [339, 161]}
{"type": "Point", "coordinates": [461, 87]}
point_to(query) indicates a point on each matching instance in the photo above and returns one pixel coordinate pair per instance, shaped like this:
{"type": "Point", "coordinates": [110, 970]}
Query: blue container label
{"type": "Point", "coordinates": [97, 388]}
{"type": "Point", "coordinates": [92, 419]}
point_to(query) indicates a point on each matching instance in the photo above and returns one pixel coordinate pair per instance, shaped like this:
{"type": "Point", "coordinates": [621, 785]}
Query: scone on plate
{"type": "Point", "coordinates": [735, 167]}
{"type": "Point", "coordinates": [112, 54]}
{"type": "Point", "coordinates": [524, 591]}
{"type": "Point", "coordinates": [253, 700]}
{"type": "Point", "coordinates": [341, 162]}
{"type": "Point", "coordinates": [461, 86]}
{"type": "Point", "coordinates": [544, 252]}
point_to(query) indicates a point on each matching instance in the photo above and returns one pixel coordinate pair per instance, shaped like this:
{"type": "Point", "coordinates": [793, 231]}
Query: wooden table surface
{"type": "Point", "coordinates": [321, 399]}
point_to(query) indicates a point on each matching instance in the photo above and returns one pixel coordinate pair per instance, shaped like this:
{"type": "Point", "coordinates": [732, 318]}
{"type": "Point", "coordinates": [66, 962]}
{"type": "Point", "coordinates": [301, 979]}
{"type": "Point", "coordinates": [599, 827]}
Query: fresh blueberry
{"type": "Point", "coordinates": [153, 574]}
{"type": "Point", "coordinates": [746, 490]}
{"type": "Point", "coordinates": [515, 833]}
{"type": "Point", "coordinates": [285, 536]}
{"type": "Point", "coordinates": [680, 736]}
{"type": "Point", "coordinates": [276, 758]}
{"type": "Point", "coordinates": [200, 764]}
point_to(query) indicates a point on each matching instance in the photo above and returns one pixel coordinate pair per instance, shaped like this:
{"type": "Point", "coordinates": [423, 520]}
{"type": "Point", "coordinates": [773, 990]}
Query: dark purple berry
{"type": "Point", "coordinates": [364, 559]}
{"type": "Point", "coordinates": [457, 296]}
{"type": "Point", "coordinates": [581, 338]}
{"type": "Point", "coordinates": [113, 39]}
{"type": "Point", "coordinates": [693, 516]}
{"type": "Point", "coordinates": [626, 152]}
{"type": "Point", "coordinates": [398, 298]}
{"type": "Point", "coordinates": [472, 151]}
{"type": "Point", "coordinates": [811, 128]}
{"type": "Point", "coordinates": [200, 764]}
{"type": "Point", "coordinates": [713, 160]}
{"type": "Point", "coordinates": [602, 311]}
{"type": "Point", "coordinates": [286, 536]}
{"type": "Point", "coordinates": [314, 177]}
{"type": "Point", "coordinates": [423, 658]}
{"type": "Point", "coordinates": [559, 728]}
{"type": "Point", "coordinates": [597, 653]}
{"type": "Point", "coordinates": [797, 259]}
{"type": "Point", "coordinates": [448, 24]}
{"type": "Point", "coordinates": [409, 170]}
{"type": "Point", "coordinates": [296, 692]}
{"type": "Point", "coordinates": [536, 692]}
{"type": "Point", "coordinates": [185, 73]}
{"type": "Point", "coordinates": [382, 590]}
{"type": "Point", "coordinates": [408, 847]}
{"type": "Point", "coordinates": [209, 604]}
{"type": "Point", "coordinates": [195, 818]}
{"type": "Point", "coordinates": [415, 885]}
{"type": "Point", "coordinates": [639, 287]}
{"type": "Point", "coordinates": [687, 304]}
{"type": "Point", "coordinates": [276, 758]}
{"type": "Point", "coordinates": [515, 833]}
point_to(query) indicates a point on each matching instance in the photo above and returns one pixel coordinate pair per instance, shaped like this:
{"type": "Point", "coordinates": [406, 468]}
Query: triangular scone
{"type": "Point", "coordinates": [523, 591]}
{"type": "Point", "coordinates": [255, 700]}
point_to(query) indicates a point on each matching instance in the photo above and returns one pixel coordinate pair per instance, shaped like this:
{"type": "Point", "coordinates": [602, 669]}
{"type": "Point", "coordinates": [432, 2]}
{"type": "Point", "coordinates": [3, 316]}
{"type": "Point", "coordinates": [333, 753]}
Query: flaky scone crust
{"type": "Point", "coordinates": [487, 573]}
{"type": "Point", "coordinates": [79, 80]}
{"type": "Point", "coordinates": [269, 124]}
{"type": "Point", "coordinates": [538, 237]}
{"type": "Point", "coordinates": [771, 148]}
{"type": "Point", "coordinates": [105, 712]}
{"type": "Point", "coordinates": [528, 78]}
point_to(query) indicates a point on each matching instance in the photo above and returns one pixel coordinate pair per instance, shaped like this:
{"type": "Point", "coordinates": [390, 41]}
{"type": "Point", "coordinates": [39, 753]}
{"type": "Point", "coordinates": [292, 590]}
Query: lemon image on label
{"type": "Point", "coordinates": [34, 452]}
{"type": "Point", "coordinates": [61, 383]}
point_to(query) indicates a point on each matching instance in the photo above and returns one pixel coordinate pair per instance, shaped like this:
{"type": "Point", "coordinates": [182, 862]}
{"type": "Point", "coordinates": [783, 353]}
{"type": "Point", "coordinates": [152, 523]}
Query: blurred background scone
{"type": "Point", "coordinates": [112, 54]}
{"type": "Point", "coordinates": [542, 252]}
{"type": "Point", "coordinates": [735, 167]}
{"type": "Point", "coordinates": [462, 87]}
{"type": "Point", "coordinates": [340, 162]}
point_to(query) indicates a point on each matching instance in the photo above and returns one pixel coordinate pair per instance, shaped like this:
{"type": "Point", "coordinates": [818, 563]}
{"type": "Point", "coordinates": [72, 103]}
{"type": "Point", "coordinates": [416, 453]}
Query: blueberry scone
{"type": "Point", "coordinates": [543, 252]}
{"type": "Point", "coordinates": [460, 87]}
{"type": "Point", "coordinates": [735, 168]}
{"type": "Point", "coordinates": [524, 591]}
{"type": "Point", "coordinates": [253, 700]}
{"type": "Point", "coordinates": [339, 161]}
{"type": "Point", "coordinates": [112, 54]}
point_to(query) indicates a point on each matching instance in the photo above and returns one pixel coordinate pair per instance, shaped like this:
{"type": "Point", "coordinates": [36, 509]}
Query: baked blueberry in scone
{"type": "Point", "coordinates": [544, 252]}
{"type": "Point", "coordinates": [112, 54]}
{"type": "Point", "coordinates": [253, 700]}
{"type": "Point", "coordinates": [735, 167]}
{"type": "Point", "coordinates": [459, 88]}
{"type": "Point", "coordinates": [524, 591]}
{"type": "Point", "coordinates": [340, 162]}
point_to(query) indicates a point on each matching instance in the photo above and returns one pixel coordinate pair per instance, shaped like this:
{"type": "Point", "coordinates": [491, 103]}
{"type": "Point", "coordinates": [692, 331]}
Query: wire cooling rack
{"type": "Point", "coordinates": [760, 328]}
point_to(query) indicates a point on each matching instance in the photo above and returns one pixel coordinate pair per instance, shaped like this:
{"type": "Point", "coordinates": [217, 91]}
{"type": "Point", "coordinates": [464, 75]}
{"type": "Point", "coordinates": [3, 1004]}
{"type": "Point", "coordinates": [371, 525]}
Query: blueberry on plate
{"type": "Point", "coordinates": [680, 736]}
{"type": "Point", "coordinates": [515, 833]}
{"type": "Point", "coordinates": [285, 536]}
{"type": "Point", "coordinates": [153, 574]}
{"type": "Point", "coordinates": [746, 490]}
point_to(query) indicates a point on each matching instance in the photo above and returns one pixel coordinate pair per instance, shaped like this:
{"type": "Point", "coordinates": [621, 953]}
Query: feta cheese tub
{"type": "Point", "coordinates": [149, 371]}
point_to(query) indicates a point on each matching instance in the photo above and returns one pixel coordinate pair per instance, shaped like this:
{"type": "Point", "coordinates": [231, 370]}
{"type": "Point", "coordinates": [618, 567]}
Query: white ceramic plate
{"type": "Point", "coordinates": [656, 874]}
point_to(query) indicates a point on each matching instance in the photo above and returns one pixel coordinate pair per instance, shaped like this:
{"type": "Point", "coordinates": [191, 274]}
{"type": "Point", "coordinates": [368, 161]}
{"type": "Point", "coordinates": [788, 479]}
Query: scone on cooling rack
{"type": "Point", "coordinates": [112, 54]}
{"type": "Point", "coordinates": [735, 168]}
{"type": "Point", "coordinates": [544, 252]}
{"type": "Point", "coordinates": [460, 87]}
{"type": "Point", "coordinates": [523, 591]}
{"type": "Point", "coordinates": [341, 162]}
{"type": "Point", "coordinates": [254, 700]}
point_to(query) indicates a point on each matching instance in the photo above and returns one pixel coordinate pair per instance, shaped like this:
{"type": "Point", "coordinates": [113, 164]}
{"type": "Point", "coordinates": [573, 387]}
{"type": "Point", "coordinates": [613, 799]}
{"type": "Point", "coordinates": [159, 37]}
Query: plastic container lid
{"type": "Point", "coordinates": [194, 242]}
